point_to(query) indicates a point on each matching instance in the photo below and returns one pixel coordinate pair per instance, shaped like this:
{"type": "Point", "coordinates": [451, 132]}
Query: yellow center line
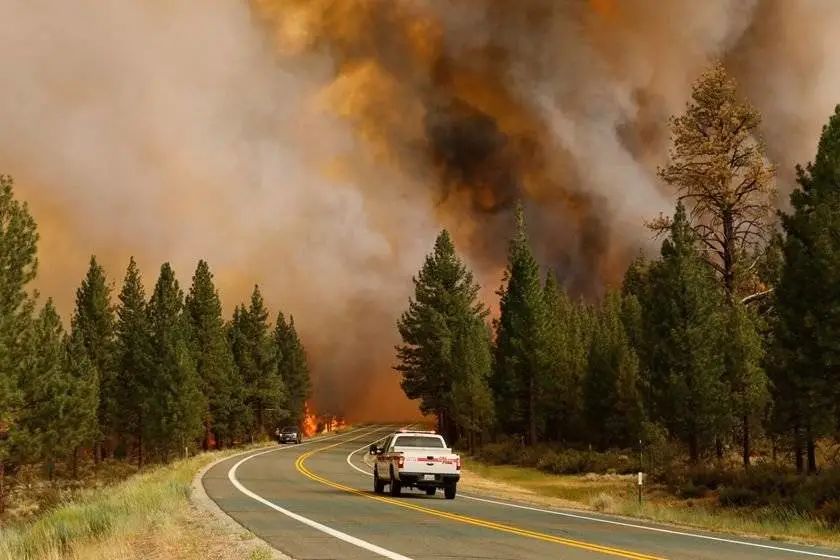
{"type": "Point", "coordinates": [301, 468]}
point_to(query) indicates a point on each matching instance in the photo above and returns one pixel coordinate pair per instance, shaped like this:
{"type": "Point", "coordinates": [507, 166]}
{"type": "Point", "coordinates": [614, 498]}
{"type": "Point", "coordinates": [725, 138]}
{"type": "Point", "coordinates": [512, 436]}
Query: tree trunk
{"type": "Point", "coordinates": [693, 449]}
{"type": "Point", "coordinates": [746, 441]}
{"type": "Point", "coordinates": [205, 445]}
{"type": "Point", "coordinates": [797, 449]}
{"type": "Point", "coordinates": [97, 453]}
{"type": "Point", "coordinates": [75, 463]}
{"type": "Point", "coordinates": [532, 411]}
{"type": "Point", "coordinates": [719, 448]}
{"type": "Point", "coordinates": [2, 486]}
{"type": "Point", "coordinates": [811, 450]}
{"type": "Point", "coordinates": [728, 254]}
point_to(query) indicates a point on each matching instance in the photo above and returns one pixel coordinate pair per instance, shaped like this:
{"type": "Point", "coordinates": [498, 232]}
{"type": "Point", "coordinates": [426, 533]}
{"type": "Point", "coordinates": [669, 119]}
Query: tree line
{"type": "Point", "coordinates": [730, 334]}
{"type": "Point", "coordinates": [141, 377]}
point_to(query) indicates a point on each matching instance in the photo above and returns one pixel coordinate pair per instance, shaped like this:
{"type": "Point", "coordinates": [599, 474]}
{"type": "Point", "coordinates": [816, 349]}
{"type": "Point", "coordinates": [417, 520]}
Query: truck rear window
{"type": "Point", "coordinates": [418, 441]}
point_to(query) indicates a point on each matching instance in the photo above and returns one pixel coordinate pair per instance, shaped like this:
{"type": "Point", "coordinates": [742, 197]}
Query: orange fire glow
{"type": "Point", "coordinates": [320, 424]}
{"type": "Point", "coordinates": [310, 421]}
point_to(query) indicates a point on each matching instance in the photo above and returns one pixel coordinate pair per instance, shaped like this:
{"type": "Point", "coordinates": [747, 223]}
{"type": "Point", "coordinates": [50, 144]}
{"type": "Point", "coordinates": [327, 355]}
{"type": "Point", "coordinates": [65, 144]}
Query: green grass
{"type": "Point", "coordinates": [134, 509]}
{"type": "Point", "coordinates": [618, 495]}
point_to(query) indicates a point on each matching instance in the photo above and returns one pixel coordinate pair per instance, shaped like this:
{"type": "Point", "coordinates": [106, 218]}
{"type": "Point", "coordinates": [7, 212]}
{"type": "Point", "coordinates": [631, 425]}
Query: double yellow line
{"type": "Point", "coordinates": [301, 467]}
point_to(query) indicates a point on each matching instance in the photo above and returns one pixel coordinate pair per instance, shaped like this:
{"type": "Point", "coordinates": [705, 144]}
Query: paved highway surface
{"type": "Point", "coordinates": [315, 501]}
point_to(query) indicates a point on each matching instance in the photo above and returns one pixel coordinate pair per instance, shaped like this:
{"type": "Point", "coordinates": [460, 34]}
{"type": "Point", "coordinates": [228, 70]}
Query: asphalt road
{"type": "Point", "coordinates": [315, 501]}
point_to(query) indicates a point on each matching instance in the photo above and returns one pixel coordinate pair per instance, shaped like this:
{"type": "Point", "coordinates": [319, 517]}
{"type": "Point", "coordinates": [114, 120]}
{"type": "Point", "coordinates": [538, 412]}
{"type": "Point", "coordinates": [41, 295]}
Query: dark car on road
{"type": "Point", "coordinates": [289, 434]}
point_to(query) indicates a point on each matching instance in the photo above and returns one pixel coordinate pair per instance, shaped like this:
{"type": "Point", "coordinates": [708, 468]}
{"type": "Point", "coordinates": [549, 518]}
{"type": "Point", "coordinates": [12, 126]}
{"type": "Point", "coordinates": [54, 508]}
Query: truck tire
{"type": "Point", "coordinates": [430, 491]}
{"type": "Point", "coordinates": [378, 485]}
{"type": "Point", "coordinates": [449, 491]}
{"type": "Point", "coordinates": [396, 487]}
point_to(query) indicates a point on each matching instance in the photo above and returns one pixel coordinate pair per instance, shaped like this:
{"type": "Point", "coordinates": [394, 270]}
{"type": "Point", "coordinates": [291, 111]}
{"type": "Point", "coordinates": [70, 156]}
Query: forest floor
{"type": "Point", "coordinates": [618, 494]}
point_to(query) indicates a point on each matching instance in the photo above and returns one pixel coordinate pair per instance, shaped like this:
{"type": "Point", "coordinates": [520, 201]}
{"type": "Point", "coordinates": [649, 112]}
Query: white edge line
{"type": "Point", "coordinates": [623, 524]}
{"type": "Point", "coordinates": [655, 529]}
{"type": "Point", "coordinates": [305, 520]}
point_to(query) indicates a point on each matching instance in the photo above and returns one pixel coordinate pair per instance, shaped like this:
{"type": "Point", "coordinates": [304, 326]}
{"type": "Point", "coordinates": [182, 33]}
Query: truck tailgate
{"type": "Point", "coordinates": [430, 461]}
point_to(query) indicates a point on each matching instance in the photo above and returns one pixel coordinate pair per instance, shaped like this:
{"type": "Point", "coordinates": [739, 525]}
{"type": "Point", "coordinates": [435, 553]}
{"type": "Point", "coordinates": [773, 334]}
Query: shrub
{"type": "Point", "coordinates": [690, 490]}
{"type": "Point", "coordinates": [830, 513]}
{"type": "Point", "coordinates": [603, 502]}
{"type": "Point", "coordinates": [501, 453]}
{"type": "Point", "coordinates": [737, 496]}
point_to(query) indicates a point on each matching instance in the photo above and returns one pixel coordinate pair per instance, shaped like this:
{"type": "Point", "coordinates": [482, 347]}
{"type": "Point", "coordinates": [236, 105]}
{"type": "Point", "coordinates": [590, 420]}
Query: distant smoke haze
{"type": "Point", "coordinates": [316, 147]}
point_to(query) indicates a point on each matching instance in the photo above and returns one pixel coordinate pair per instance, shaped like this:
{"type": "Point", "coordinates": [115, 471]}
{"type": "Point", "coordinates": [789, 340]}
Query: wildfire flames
{"type": "Point", "coordinates": [315, 424]}
{"type": "Point", "coordinates": [310, 421]}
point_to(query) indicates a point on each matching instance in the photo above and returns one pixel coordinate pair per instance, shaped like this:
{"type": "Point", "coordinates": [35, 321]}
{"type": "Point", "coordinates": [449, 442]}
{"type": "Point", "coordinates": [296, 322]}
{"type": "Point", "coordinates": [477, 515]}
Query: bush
{"type": "Point", "coordinates": [603, 502]}
{"type": "Point", "coordinates": [830, 513]}
{"type": "Point", "coordinates": [554, 460]}
{"type": "Point", "coordinates": [737, 497]}
{"type": "Point", "coordinates": [769, 485]}
{"type": "Point", "coordinates": [690, 490]}
{"type": "Point", "coordinates": [501, 453]}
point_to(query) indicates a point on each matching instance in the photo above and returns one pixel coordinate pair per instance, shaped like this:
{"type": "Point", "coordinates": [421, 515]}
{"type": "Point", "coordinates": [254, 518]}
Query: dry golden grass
{"type": "Point", "coordinates": [617, 494]}
{"type": "Point", "coordinates": [148, 516]}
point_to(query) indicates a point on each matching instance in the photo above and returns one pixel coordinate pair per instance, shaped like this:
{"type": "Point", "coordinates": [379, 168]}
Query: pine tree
{"type": "Point", "coordinates": [471, 403]}
{"type": "Point", "coordinates": [44, 386]}
{"type": "Point", "coordinates": [238, 344]}
{"type": "Point", "coordinates": [808, 300]}
{"type": "Point", "coordinates": [682, 322]}
{"type": "Point", "coordinates": [439, 320]}
{"type": "Point", "coordinates": [18, 265]}
{"type": "Point", "coordinates": [178, 405]}
{"type": "Point", "coordinates": [93, 324]}
{"type": "Point", "coordinates": [292, 367]}
{"type": "Point", "coordinates": [213, 357]}
{"type": "Point", "coordinates": [134, 365]}
{"type": "Point", "coordinates": [749, 389]}
{"type": "Point", "coordinates": [80, 424]}
{"type": "Point", "coordinates": [521, 342]}
{"type": "Point", "coordinates": [612, 400]}
{"type": "Point", "coordinates": [256, 359]}
{"type": "Point", "coordinates": [560, 395]}
{"type": "Point", "coordinates": [718, 165]}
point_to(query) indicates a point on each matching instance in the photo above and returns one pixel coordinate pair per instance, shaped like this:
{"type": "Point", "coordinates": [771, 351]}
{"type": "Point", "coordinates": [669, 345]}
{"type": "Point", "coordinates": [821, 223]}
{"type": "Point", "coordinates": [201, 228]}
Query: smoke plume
{"type": "Point", "coordinates": [317, 146]}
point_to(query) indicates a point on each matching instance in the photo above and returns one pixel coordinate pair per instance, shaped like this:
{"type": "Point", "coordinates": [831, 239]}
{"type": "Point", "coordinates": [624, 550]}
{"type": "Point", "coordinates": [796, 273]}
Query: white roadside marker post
{"type": "Point", "coordinates": [641, 480]}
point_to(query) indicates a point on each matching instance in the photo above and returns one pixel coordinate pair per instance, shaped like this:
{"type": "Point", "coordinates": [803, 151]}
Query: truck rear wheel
{"type": "Point", "coordinates": [378, 485]}
{"type": "Point", "coordinates": [430, 491]}
{"type": "Point", "coordinates": [396, 487]}
{"type": "Point", "coordinates": [449, 491]}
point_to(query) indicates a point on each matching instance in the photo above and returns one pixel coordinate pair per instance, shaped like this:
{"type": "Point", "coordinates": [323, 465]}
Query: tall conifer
{"type": "Point", "coordinates": [808, 301]}
{"type": "Point", "coordinates": [292, 367]}
{"type": "Point", "coordinates": [134, 365]}
{"type": "Point", "coordinates": [93, 325]}
{"type": "Point", "coordinates": [213, 358]}
{"type": "Point", "coordinates": [521, 339]}
{"type": "Point", "coordinates": [439, 329]}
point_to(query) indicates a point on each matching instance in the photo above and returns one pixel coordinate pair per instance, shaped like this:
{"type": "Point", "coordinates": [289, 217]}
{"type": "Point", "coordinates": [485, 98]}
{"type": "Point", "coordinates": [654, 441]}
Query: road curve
{"type": "Point", "coordinates": [315, 501]}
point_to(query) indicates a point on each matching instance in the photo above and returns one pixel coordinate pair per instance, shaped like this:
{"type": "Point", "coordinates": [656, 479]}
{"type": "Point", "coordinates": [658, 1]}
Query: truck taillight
{"type": "Point", "coordinates": [458, 464]}
{"type": "Point", "coordinates": [400, 461]}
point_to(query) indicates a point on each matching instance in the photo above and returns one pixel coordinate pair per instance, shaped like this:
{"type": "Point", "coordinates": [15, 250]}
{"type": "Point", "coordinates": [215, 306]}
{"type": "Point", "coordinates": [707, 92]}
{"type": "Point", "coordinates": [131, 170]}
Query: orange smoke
{"type": "Point", "coordinates": [322, 162]}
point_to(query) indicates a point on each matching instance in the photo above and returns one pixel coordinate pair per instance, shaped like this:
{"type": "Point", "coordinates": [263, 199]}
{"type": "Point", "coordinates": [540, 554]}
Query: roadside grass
{"type": "Point", "coordinates": [617, 494]}
{"type": "Point", "coordinates": [148, 515]}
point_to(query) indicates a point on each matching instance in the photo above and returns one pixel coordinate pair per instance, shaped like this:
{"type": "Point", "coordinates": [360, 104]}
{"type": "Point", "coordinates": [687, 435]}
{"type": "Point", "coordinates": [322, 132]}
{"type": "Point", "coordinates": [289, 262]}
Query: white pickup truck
{"type": "Point", "coordinates": [415, 459]}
